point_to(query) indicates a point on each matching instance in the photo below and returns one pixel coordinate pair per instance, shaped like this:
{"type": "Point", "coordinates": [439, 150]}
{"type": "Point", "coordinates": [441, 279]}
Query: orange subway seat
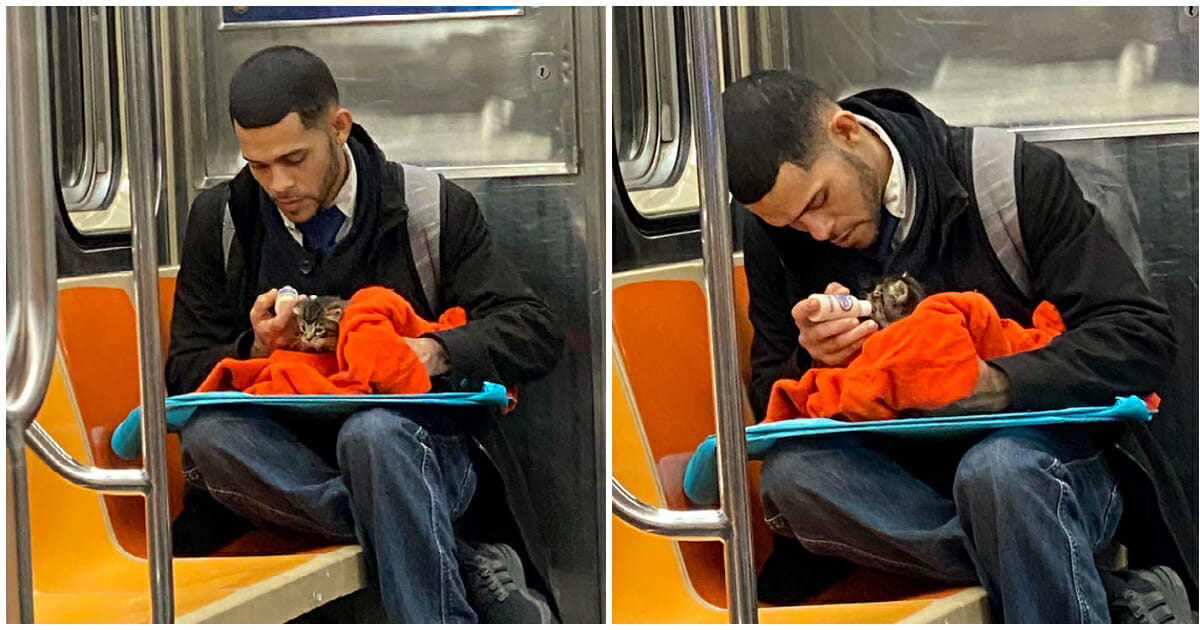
{"type": "Point", "coordinates": [660, 330]}
{"type": "Point", "coordinates": [91, 569]}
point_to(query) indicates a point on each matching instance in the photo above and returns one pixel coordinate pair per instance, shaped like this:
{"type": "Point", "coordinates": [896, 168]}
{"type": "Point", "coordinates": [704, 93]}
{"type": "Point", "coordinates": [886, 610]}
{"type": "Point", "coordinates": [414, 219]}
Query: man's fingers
{"type": "Point", "coordinates": [836, 288]}
{"type": "Point", "coordinates": [835, 349]}
{"type": "Point", "coordinates": [822, 331]}
{"type": "Point", "coordinates": [262, 306]}
{"type": "Point", "coordinates": [853, 338]}
{"type": "Point", "coordinates": [804, 309]}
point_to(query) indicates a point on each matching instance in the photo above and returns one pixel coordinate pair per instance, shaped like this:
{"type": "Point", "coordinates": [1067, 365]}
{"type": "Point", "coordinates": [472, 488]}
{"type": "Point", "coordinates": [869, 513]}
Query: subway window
{"type": "Point", "coordinates": [650, 112]}
{"type": "Point", "coordinates": [87, 120]}
{"type": "Point", "coordinates": [1037, 67]}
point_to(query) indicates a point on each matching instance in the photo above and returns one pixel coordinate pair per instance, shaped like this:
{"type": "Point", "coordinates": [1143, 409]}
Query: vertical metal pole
{"type": "Point", "coordinates": [715, 235]}
{"type": "Point", "coordinates": [143, 179]}
{"type": "Point", "coordinates": [19, 489]}
{"type": "Point", "coordinates": [29, 358]}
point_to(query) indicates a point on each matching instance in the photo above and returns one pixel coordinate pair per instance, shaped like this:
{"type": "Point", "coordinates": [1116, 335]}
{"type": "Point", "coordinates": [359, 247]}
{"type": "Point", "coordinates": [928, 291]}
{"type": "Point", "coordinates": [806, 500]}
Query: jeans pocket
{"type": "Point", "coordinates": [458, 473]}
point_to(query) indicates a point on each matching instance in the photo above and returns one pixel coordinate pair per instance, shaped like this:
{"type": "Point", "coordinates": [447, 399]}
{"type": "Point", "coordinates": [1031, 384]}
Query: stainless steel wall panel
{"type": "Point", "coordinates": [1001, 66]}
{"type": "Point", "coordinates": [1161, 174]}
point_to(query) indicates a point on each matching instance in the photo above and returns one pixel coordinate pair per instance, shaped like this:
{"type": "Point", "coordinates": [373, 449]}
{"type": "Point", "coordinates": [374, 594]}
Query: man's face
{"type": "Point", "coordinates": [837, 200]}
{"type": "Point", "coordinates": [298, 167]}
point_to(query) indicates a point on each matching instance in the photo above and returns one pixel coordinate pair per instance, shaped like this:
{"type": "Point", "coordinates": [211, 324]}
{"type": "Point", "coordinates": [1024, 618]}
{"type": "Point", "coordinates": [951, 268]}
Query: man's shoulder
{"type": "Point", "coordinates": [211, 201]}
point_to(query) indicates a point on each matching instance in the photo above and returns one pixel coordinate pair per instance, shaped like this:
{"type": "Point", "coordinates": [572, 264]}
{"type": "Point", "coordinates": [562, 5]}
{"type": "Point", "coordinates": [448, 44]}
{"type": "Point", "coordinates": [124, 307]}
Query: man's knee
{"type": "Point", "coordinates": [370, 429]}
{"type": "Point", "coordinates": [801, 467]}
{"type": "Point", "coordinates": [211, 431]}
{"type": "Point", "coordinates": [1000, 468]}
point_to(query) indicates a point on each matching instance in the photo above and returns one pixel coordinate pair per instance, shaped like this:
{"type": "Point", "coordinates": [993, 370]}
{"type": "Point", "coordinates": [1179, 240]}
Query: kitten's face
{"type": "Point", "coordinates": [318, 320]}
{"type": "Point", "coordinates": [894, 298]}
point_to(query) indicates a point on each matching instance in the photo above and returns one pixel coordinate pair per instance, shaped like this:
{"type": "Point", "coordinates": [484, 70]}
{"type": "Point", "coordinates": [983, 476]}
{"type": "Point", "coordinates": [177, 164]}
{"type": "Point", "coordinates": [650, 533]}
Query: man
{"type": "Point", "coordinates": [319, 207]}
{"type": "Point", "coordinates": [847, 192]}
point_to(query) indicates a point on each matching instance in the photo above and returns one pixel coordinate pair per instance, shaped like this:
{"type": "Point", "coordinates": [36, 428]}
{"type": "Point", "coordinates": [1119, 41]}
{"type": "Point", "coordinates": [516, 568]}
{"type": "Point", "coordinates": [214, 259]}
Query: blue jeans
{"type": "Point", "coordinates": [1022, 511]}
{"type": "Point", "coordinates": [379, 478]}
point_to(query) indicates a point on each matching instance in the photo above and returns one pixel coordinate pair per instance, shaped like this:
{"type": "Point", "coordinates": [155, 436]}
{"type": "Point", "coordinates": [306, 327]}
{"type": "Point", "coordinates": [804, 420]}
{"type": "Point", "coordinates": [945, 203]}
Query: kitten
{"type": "Point", "coordinates": [318, 319]}
{"type": "Point", "coordinates": [894, 298]}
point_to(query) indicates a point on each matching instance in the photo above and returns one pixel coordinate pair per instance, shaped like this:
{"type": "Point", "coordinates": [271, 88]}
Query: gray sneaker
{"type": "Point", "coordinates": [1154, 595]}
{"type": "Point", "coordinates": [496, 588]}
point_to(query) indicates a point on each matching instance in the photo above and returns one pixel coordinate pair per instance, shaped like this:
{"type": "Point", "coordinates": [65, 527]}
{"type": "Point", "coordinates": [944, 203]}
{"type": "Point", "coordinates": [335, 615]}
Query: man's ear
{"type": "Point", "coordinates": [342, 122]}
{"type": "Point", "coordinates": [844, 129]}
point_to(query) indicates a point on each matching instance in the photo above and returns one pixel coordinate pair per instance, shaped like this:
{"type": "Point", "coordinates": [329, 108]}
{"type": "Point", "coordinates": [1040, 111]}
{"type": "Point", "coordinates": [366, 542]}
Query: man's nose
{"type": "Point", "coordinates": [281, 182]}
{"type": "Point", "coordinates": [820, 229]}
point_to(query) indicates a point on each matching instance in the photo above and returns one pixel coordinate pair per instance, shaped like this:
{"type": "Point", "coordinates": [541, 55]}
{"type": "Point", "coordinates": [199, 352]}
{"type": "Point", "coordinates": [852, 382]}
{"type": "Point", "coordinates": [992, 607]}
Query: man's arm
{"type": "Point", "coordinates": [511, 336]}
{"type": "Point", "coordinates": [204, 326]}
{"type": "Point", "coordinates": [1119, 340]}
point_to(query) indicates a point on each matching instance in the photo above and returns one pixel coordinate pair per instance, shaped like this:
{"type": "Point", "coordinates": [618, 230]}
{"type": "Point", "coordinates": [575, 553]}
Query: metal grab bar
{"type": "Point", "coordinates": [731, 523]}
{"type": "Point", "coordinates": [32, 303]}
{"type": "Point", "coordinates": [681, 524]}
{"type": "Point", "coordinates": [109, 481]}
{"type": "Point", "coordinates": [144, 173]}
{"type": "Point", "coordinates": [30, 215]}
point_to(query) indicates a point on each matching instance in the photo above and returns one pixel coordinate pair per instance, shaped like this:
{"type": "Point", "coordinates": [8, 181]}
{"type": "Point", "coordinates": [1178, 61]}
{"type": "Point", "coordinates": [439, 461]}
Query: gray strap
{"type": "Point", "coordinates": [423, 196]}
{"type": "Point", "coordinates": [993, 157]}
{"type": "Point", "coordinates": [227, 231]}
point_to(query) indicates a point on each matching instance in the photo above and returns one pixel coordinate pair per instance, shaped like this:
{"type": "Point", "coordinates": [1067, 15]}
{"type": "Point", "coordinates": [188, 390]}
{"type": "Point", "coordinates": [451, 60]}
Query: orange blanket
{"type": "Point", "coordinates": [924, 361]}
{"type": "Point", "coordinates": [372, 356]}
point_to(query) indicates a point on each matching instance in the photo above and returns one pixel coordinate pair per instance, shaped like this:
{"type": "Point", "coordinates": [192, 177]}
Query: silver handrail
{"type": "Point", "coordinates": [33, 295]}
{"type": "Point", "coordinates": [30, 214]}
{"type": "Point", "coordinates": [32, 298]}
{"type": "Point", "coordinates": [109, 481]}
{"type": "Point", "coordinates": [144, 171]}
{"type": "Point", "coordinates": [717, 247]}
{"type": "Point", "coordinates": [731, 523]}
{"type": "Point", "coordinates": [681, 524]}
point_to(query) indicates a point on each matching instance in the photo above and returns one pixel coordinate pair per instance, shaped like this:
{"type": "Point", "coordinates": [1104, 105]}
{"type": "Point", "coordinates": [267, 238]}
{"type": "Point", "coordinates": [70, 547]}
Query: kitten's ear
{"type": "Point", "coordinates": [298, 308]}
{"type": "Point", "coordinates": [334, 311]}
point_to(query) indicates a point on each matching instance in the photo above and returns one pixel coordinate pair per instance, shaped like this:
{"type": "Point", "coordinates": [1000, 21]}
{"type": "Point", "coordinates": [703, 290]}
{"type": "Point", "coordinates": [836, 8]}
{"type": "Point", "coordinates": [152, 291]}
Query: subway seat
{"type": "Point", "coordinates": [89, 550]}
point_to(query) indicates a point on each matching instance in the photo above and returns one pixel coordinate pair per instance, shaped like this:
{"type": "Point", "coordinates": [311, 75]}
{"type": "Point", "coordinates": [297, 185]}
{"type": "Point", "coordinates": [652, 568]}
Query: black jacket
{"type": "Point", "coordinates": [511, 336]}
{"type": "Point", "coordinates": [1119, 339]}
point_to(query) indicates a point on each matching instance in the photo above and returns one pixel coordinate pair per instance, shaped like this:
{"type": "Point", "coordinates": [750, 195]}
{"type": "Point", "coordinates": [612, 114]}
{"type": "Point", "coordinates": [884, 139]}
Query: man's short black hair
{"type": "Point", "coordinates": [771, 117]}
{"type": "Point", "coordinates": [277, 81]}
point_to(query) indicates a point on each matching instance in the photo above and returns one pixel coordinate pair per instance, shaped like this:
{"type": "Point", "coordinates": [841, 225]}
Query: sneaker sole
{"type": "Point", "coordinates": [1175, 593]}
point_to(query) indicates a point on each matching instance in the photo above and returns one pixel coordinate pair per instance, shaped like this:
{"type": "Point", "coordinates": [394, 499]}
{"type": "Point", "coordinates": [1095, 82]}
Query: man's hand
{"type": "Point", "coordinates": [993, 394]}
{"type": "Point", "coordinates": [431, 353]}
{"type": "Point", "coordinates": [834, 342]}
{"type": "Point", "coordinates": [271, 330]}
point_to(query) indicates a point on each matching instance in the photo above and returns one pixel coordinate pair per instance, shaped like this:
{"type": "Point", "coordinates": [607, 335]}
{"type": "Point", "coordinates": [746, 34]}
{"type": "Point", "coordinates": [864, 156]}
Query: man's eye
{"type": "Point", "coordinates": [295, 160]}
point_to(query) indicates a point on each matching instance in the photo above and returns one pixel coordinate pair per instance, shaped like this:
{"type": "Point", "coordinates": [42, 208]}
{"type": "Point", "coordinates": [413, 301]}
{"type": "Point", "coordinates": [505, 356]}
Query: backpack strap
{"type": "Point", "coordinates": [423, 196]}
{"type": "Point", "coordinates": [993, 160]}
{"type": "Point", "coordinates": [227, 232]}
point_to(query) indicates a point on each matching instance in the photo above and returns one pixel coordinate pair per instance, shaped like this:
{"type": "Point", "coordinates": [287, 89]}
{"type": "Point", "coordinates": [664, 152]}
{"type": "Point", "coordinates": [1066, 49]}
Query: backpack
{"type": "Point", "coordinates": [993, 165]}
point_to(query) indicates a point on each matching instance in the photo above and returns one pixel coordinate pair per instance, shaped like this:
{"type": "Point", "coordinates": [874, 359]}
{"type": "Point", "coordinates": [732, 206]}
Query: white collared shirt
{"type": "Point", "coordinates": [898, 196]}
{"type": "Point", "coordinates": [344, 202]}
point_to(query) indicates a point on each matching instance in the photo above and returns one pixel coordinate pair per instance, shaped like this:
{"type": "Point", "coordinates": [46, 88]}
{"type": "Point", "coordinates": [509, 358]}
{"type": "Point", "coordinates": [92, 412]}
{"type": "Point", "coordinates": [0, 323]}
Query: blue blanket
{"type": "Point", "coordinates": [700, 480]}
{"type": "Point", "coordinates": [127, 439]}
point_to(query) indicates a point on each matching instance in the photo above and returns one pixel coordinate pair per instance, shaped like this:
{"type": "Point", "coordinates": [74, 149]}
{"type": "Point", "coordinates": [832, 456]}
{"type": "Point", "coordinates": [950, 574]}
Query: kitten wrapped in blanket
{"type": "Point", "coordinates": [894, 298]}
{"type": "Point", "coordinates": [318, 318]}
